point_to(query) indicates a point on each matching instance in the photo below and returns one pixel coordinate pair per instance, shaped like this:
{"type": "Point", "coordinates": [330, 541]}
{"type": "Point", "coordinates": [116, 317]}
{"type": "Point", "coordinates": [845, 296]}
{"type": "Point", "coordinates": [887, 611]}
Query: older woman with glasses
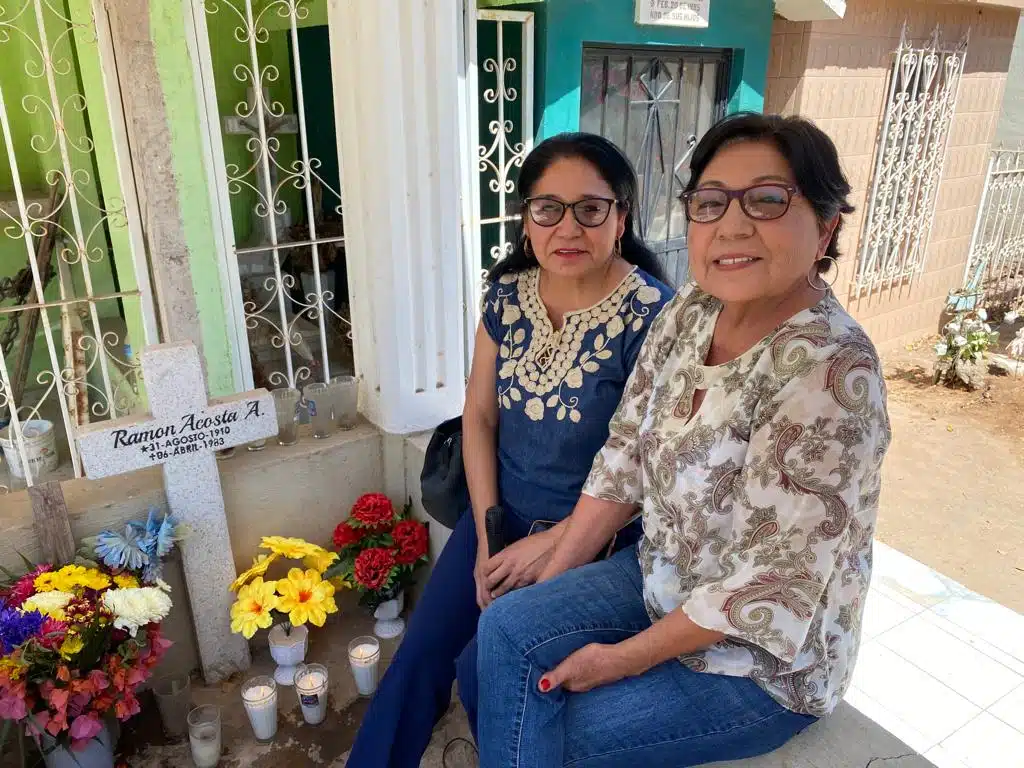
{"type": "Point", "coordinates": [563, 320]}
{"type": "Point", "coordinates": [751, 435]}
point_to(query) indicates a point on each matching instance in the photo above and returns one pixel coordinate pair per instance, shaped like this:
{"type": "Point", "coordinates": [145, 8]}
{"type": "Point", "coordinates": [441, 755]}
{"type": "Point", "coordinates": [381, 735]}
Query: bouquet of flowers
{"type": "Point", "coordinates": [379, 549]}
{"type": "Point", "coordinates": [77, 641]}
{"type": "Point", "coordinates": [304, 595]}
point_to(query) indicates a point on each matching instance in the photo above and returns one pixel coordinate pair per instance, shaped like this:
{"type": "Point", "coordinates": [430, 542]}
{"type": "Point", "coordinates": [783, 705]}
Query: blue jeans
{"type": "Point", "coordinates": [417, 687]}
{"type": "Point", "coordinates": [669, 716]}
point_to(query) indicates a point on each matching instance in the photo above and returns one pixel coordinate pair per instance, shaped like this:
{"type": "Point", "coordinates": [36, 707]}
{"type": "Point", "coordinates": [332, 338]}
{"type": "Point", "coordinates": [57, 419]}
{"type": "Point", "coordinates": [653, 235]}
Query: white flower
{"type": "Point", "coordinates": [959, 341]}
{"type": "Point", "coordinates": [952, 328]}
{"type": "Point", "coordinates": [48, 603]}
{"type": "Point", "coordinates": [163, 585]}
{"type": "Point", "coordinates": [941, 349]}
{"type": "Point", "coordinates": [982, 314]}
{"type": "Point", "coordinates": [1010, 318]}
{"type": "Point", "coordinates": [134, 608]}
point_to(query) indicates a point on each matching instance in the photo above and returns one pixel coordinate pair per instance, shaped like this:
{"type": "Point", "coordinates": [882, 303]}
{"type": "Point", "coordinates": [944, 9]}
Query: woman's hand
{"type": "Point", "coordinates": [591, 666]}
{"type": "Point", "coordinates": [519, 564]}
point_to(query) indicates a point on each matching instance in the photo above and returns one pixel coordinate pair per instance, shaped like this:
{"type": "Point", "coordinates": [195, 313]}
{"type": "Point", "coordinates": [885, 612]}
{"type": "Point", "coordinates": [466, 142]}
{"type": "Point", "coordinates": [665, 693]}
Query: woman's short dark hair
{"type": "Point", "coordinates": [812, 157]}
{"type": "Point", "coordinates": [613, 166]}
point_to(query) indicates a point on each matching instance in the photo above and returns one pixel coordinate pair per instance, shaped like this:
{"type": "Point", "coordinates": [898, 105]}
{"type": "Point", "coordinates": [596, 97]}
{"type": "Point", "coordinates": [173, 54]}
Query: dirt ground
{"type": "Point", "coordinates": [953, 484]}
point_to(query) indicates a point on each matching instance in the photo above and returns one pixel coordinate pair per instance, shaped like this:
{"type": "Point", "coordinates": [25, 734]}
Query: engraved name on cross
{"type": "Point", "coordinates": [182, 435]}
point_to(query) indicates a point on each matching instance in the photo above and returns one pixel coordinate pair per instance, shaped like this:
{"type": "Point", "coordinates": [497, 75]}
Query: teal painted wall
{"type": "Point", "coordinates": [564, 26]}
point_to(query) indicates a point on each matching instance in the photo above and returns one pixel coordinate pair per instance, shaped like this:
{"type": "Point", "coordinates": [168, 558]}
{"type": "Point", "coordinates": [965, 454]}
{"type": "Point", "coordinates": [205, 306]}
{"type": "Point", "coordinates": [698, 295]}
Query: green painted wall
{"type": "Point", "coordinates": [564, 26]}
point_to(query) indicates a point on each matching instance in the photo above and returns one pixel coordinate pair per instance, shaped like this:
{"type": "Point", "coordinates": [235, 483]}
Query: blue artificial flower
{"type": "Point", "coordinates": [157, 536]}
{"type": "Point", "coordinates": [17, 627]}
{"type": "Point", "coordinates": [122, 551]}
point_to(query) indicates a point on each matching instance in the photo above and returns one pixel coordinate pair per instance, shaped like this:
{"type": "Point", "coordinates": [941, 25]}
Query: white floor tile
{"type": "Point", "coordinates": [911, 694]}
{"type": "Point", "coordinates": [987, 742]}
{"type": "Point", "coordinates": [1010, 662]}
{"type": "Point", "coordinates": [951, 661]}
{"type": "Point", "coordinates": [916, 581]}
{"type": "Point", "coordinates": [990, 621]}
{"type": "Point", "coordinates": [882, 613]}
{"type": "Point", "coordinates": [940, 758]}
{"type": "Point", "coordinates": [870, 708]}
{"type": "Point", "coordinates": [1010, 709]}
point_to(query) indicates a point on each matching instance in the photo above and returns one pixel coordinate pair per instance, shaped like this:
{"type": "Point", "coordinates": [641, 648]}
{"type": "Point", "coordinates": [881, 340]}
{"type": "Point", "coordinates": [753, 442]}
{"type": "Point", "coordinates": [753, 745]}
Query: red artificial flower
{"type": "Point", "coordinates": [345, 535]}
{"type": "Point", "coordinates": [25, 587]}
{"type": "Point", "coordinates": [52, 633]}
{"type": "Point", "coordinates": [411, 541]}
{"type": "Point", "coordinates": [373, 511]}
{"type": "Point", "coordinates": [373, 567]}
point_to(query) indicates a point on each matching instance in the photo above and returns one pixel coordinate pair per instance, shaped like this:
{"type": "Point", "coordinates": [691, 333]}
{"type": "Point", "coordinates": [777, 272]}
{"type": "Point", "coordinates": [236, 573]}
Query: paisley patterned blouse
{"type": "Point", "coordinates": [558, 389]}
{"type": "Point", "coordinates": [759, 508]}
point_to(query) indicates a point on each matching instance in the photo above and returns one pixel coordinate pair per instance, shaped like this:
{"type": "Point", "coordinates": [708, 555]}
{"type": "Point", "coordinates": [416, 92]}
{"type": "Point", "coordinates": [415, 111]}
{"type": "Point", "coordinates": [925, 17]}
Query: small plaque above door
{"type": "Point", "coordinates": [674, 13]}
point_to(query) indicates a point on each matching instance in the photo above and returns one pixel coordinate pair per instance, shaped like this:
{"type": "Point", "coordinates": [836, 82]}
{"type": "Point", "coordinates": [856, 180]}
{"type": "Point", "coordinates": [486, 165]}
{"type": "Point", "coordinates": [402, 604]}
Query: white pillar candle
{"type": "Point", "coordinates": [204, 735]}
{"type": "Point", "coordinates": [363, 657]}
{"type": "Point", "coordinates": [311, 686]}
{"type": "Point", "coordinates": [205, 741]}
{"type": "Point", "coordinates": [260, 698]}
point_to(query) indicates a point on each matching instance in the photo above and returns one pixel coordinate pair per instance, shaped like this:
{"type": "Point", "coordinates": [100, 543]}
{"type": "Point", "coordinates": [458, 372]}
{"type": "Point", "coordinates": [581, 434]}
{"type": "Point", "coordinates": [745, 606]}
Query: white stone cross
{"type": "Point", "coordinates": [182, 435]}
{"type": "Point", "coordinates": [273, 125]}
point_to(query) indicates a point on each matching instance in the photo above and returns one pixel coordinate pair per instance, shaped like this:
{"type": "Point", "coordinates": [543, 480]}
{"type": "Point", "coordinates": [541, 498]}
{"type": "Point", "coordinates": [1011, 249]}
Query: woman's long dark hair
{"type": "Point", "coordinates": [613, 166]}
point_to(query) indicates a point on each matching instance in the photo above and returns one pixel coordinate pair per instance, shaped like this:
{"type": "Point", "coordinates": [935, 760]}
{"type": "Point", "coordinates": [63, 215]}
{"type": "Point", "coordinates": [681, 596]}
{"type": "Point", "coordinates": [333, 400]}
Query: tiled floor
{"type": "Point", "coordinates": [940, 667]}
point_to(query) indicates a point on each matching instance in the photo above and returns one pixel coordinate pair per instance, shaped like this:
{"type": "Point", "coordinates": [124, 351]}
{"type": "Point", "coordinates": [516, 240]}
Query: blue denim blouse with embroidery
{"type": "Point", "coordinates": [557, 390]}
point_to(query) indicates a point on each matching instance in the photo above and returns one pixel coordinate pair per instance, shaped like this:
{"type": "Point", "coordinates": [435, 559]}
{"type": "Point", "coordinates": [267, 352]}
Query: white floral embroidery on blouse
{"type": "Point", "coordinates": [759, 510]}
{"type": "Point", "coordinates": [540, 366]}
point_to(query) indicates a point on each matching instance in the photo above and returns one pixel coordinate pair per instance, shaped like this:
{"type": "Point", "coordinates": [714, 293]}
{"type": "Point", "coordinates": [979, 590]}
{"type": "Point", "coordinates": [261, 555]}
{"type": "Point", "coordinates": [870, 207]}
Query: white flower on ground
{"type": "Point", "coordinates": [1010, 318]}
{"type": "Point", "coordinates": [959, 341]}
{"type": "Point", "coordinates": [1016, 347]}
{"type": "Point", "coordinates": [134, 608]}
{"type": "Point", "coordinates": [941, 349]}
{"type": "Point", "coordinates": [982, 314]}
{"type": "Point", "coordinates": [952, 328]}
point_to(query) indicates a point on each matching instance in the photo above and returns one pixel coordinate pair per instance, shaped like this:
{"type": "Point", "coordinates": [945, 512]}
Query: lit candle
{"type": "Point", "coordinates": [363, 656]}
{"type": "Point", "coordinates": [311, 686]}
{"type": "Point", "coordinates": [260, 698]}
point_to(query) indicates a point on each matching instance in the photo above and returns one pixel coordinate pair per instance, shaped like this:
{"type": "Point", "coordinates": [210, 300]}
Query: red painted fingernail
{"type": "Point", "coordinates": [545, 684]}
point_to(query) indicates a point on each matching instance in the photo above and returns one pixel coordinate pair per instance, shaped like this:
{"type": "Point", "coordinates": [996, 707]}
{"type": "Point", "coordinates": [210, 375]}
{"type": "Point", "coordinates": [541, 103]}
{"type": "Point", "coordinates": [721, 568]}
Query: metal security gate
{"type": "Point", "coordinates": [923, 89]}
{"type": "Point", "coordinates": [277, 186]}
{"type": "Point", "coordinates": [75, 301]}
{"type": "Point", "coordinates": [656, 104]}
{"type": "Point", "coordinates": [499, 66]}
{"type": "Point", "coordinates": [995, 268]}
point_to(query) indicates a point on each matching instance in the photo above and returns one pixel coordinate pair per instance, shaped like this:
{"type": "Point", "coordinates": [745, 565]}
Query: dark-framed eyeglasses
{"type": "Point", "coordinates": [590, 212]}
{"type": "Point", "coordinates": [763, 202]}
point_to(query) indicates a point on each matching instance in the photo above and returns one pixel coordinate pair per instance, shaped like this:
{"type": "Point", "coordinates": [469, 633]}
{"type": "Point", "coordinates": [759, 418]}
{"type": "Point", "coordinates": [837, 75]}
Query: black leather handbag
{"type": "Point", "coordinates": [443, 486]}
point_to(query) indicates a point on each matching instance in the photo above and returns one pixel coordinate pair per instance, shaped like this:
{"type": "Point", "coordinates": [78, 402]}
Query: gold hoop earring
{"type": "Point", "coordinates": [823, 285]}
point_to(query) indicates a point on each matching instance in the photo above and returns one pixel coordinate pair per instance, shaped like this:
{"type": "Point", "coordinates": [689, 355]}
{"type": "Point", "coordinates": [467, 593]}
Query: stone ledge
{"type": "Point", "coordinates": [846, 739]}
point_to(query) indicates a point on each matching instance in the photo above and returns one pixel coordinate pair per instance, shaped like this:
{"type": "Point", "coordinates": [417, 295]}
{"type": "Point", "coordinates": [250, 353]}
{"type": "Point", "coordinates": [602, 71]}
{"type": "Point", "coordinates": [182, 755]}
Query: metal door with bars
{"type": "Point", "coordinates": [656, 103]}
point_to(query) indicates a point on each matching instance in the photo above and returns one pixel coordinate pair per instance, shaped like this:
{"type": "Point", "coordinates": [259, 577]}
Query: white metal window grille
{"type": "Point", "coordinates": [264, 67]}
{"type": "Point", "coordinates": [501, 69]}
{"type": "Point", "coordinates": [996, 264]}
{"type": "Point", "coordinates": [923, 89]}
{"type": "Point", "coordinates": [74, 286]}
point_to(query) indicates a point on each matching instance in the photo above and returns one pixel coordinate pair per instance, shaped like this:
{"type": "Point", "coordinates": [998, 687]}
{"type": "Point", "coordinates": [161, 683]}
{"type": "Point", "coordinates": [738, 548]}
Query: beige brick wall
{"type": "Point", "coordinates": [836, 73]}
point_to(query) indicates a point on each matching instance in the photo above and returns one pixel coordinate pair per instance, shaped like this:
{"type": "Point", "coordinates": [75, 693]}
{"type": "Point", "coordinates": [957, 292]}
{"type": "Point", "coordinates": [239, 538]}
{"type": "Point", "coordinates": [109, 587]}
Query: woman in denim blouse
{"type": "Point", "coordinates": [562, 323]}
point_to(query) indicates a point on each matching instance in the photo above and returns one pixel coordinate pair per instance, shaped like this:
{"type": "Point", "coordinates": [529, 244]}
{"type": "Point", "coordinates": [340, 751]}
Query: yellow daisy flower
{"type": "Point", "coordinates": [126, 581]}
{"type": "Point", "coordinates": [254, 607]}
{"type": "Point", "coordinates": [71, 577]}
{"type": "Point", "coordinates": [73, 643]}
{"type": "Point", "coordinates": [259, 567]}
{"type": "Point", "coordinates": [321, 560]}
{"type": "Point", "coordinates": [291, 548]}
{"type": "Point", "coordinates": [305, 596]}
{"type": "Point", "coordinates": [13, 666]}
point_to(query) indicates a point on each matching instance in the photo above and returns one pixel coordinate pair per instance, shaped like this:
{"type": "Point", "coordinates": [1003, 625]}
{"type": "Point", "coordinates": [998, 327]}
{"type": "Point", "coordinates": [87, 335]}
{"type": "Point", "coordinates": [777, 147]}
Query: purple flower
{"type": "Point", "coordinates": [17, 627]}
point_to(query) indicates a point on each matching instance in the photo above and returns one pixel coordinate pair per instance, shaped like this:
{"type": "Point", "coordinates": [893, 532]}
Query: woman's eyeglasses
{"type": "Point", "coordinates": [590, 212]}
{"type": "Point", "coordinates": [763, 202]}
